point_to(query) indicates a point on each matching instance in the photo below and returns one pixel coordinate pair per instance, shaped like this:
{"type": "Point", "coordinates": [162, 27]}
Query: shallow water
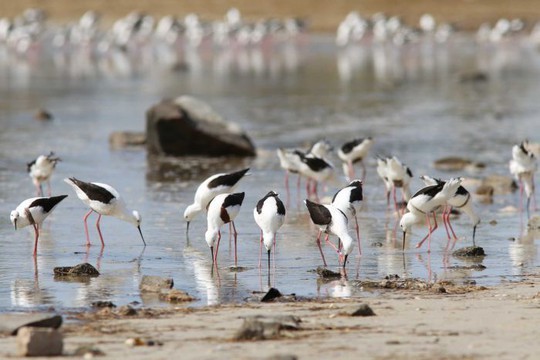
{"type": "Point", "coordinates": [410, 100]}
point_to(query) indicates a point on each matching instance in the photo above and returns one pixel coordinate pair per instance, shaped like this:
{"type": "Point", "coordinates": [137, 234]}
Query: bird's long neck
{"type": "Point", "coordinates": [124, 214]}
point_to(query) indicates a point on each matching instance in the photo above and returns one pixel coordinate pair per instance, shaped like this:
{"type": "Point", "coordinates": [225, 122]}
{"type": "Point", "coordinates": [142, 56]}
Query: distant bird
{"type": "Point", "coordinates": [320, 149]}
{"type": "Point", "coordinates": [223, 209]}
{"type": "Point", "coordinates": [210, 188]}
{"type": "Point", "coordinates": [425, 202]}
{"type": "Point", "coordinates": [523, 166]}
{"type": "Point", "coordinates": [330, 219]}
{"type": "Point", "coordinates": [316, 170]}
{"type": "Point", "coordinates": [352, 152]}
{"type": "Point", "coordinates": [41, 169]}
{"type": "Point", "coordinates": [33, 212]}
{"type": "Point", "coordinates": [290, 160]}
{"type": "Point", "coordinates": [348, 200]}
{"type": "Point", "coordinates": [269, 214]}
{"type": "Point", "coordinates": [461, 200]}
{"type": "Point", "coordinates": [103, 199]}
{"type": "Point", "coordinates": [399, 176]}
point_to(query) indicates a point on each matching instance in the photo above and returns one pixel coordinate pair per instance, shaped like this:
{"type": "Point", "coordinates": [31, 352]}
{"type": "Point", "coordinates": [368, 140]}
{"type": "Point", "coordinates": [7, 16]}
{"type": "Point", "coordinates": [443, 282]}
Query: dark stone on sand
{"type": "Point", "coordinates": [261, 327]}
{"type": "Point", "coordinates": [475, 267]}
{"type": "Point", "coordinates": [123, 139]}
{"type": "Point", "coordinates": [103, 304]}
{"type": "Point", "coordinates": [237, 268]}
{"type": "Point", "coordinates": [469, 251]}
{"type": "Point", "coordinates": [42, 115]}
{"type": "Point", "coordinates": [126, 310]}
{"type": "Point", "coordinates": [155, 284]}
{"type": "Point", "coordinates": [327, 274]}
{"type": "Point", "coordinates": [80, 270]}
{"type": "Point", "coordinates": [453, 163]}
{"type": "Point", "coordinates": [474, 77]}
{"type": "Point", "coordinates": [188, 126]}
{"type": "Point", "coordinates": [441, 290]}
{"type": "Point", "coordinates": [11, 323]}
{"type": "Point", "coordinates": [272, 294]}
{"type": "Point", "coordinates": [282, 357]}
{"type": "Point", "coordinates": [363, 310]}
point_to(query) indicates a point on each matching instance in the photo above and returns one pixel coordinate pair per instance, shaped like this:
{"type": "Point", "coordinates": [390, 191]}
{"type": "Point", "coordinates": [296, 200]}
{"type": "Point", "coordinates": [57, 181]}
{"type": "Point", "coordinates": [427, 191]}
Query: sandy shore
{"type": "Point", "coordinates": [322, 15]}
{"type": "Point", "coordinates": [462, 323]}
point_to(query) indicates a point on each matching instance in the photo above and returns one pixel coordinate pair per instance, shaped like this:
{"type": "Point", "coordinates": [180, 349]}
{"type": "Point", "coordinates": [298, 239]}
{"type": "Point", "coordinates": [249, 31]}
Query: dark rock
{"type": "Point", "coordinates": [103, 304]}
{"type": "Point", "coordinates": [155, 283]}
{"type": "Point", "coordinates": [469, 251]}
{"type": "Point", "coordinates": [126, 310]}
{"type": "Point", "coordinates": [261, 328]}
{"type": "Point", "coordinates": [42, 115]}
{"type": "Point", "coordinates": [441, 290]}
{"type": "Point", "coordinates": [11, 323]}
{"type": "Point", "coordinates": [32, 341]}
{"type": "Point", "coordinates": [175, 296]}
{"type": "Point", "coordinates": [327, 274]}
{"type": "Point", "coordinates": [85, 269]}
{"type": "Point", "coordinates": [188, 126]}
{"type": "Point", "coordinates": [474, 77]}
{"type": "Point", "coordinates": [476, 267]}
{"type": "Point", "coordinates": [123, 139]}
{"type": "Point", "coordinates": [363, 310]}
{"type": "Point", "coordinates": [282, 357]}
{"type": "Point", "coordinates": [392, 277]}
{"type": "Point", "coordinates": [453, 163]}
{"type": "Point", "coordinates": [88, 349]}
{"type": "Point", "coordinates": [272, 294]}
{"type": "Point", "coordinates": [237, 268]}
{"type": "Point", "coordinates": [501, 184]}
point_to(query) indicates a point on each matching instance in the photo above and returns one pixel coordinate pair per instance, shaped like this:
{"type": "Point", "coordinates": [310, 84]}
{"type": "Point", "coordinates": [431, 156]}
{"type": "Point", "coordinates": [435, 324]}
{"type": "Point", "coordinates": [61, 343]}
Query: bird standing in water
{"type": "Point", "coordinates": [269, 215]}
{"type": "Point", "coordinates": [41, 169]}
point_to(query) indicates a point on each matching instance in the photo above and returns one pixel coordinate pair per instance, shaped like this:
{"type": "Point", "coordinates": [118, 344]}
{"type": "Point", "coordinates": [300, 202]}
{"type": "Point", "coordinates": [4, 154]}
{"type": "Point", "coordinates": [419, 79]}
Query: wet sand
{"type": "Point", "coordinates": [462, 323]}
{"type": "Point", "coordinates": [321, 15]}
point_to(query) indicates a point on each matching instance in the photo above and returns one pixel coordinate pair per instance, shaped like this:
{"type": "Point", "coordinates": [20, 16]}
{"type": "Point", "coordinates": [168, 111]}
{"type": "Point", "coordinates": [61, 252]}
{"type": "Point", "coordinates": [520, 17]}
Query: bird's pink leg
{"type": "Point", "coordinates": [320, 249]}
{"type": "Point", "coordinates": [520, 196]}
{"type": "Point", "coordinates": [428, 236]}
{"type": "Point", "coordinates": [217, 247]}
{"type": "Point", "coordinates": [49, 187]}
{"type": "Point", "coordinates": [358, 235]}
{"type": "Point", "coordinates": [36, 232]}
{"type": "Point", "coordinates": [315, 183]}
{"type": "Point", "coordinates": [395, 200]}
{"type": "Point", "coordinates": [260, 249]}
{"type": "Point", "coordinates": [308, 187]}
{"type": "Point", "coordinates": [298, 184]}
{"type": "Point", "coordinates": [445, 223]}
{"type": "Point", "coordinates": [235, 246]}
{"type": "Point", "coordinates": [449, 224]}
{"type": "Point", "coordinates": [99, 231]}
{"type": "Point", "coordinates": [351, 170]}
{"type": "Point", "coordinates": [334, 247]}
{"type": "Point", "coordinates": [86, 227]}
{"type": "Point", "coordinates": [363, 170]}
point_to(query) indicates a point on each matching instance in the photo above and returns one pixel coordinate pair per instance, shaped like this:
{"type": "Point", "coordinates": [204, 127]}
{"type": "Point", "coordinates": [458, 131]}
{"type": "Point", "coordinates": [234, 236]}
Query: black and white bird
{"type": "Point", "coordinates": [269, 215]}
{"type": "Point", "coordinates": [223, 209]}
{"type": "Point", "coordinates": [103, 199]}
{"type": "Point", "coordinates": [290, 161]}
{"type": "Point", "coordinates": [331, 220]}
{"type": "Point", "coordinates": [523, 167]}
{"type": "Point", "coordinates": [425, 202]}
{"type": "Point", "coordinates": [33, 212]}
{"type": "Point", "coordinates": [348, 200]}
{"type": "Point", "coordinates": [211, 187]}
{"type": "Point", "coordinates": [352, 152]}
{"type": "Point", "coordinates": [41, 169]}
{"type": "Point", "coordinates": [461, 201]}
{"type": "Point", "coordinates": [316, 170]}
{"type": "Point", "coordinates": [395, 175]}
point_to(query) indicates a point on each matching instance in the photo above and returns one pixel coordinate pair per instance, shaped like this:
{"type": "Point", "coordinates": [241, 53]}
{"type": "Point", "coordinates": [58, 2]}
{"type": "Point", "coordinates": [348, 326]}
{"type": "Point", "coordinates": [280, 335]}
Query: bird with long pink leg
{"type": "Point", "coordinates": [523, 166]}
{"type": "Point", "coordinates": [41, 170]}
{"type": "Point", "coordinates": [423, 204]}
{"type": "Point", "coordinates": [269, 215]}
{"type": "Point", "coordinates": [352, 152]}
{"type": "Point", "coordinates": [348, 200]}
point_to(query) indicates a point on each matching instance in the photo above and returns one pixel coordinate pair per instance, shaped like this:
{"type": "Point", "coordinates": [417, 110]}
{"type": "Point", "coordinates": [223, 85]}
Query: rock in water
{"type": "Point", "coordinates": [469, 251]}
{"type": "Point", "coordinates": [155, 283]}
{"type": "Point", "coordinates": [33, 341]}
{"type": "Point", "coordinates": [188, 126]}
{"type": "Point", "coordinates": [84, 269]}
{"type": "Point", "coordinates": [363, 310]}
{"type": "Point", "coordinates": [272, 294]}
{"type": "Point", "coordinates": [124, 139]}
{"type": "Point", "coordinates": [326, 273]}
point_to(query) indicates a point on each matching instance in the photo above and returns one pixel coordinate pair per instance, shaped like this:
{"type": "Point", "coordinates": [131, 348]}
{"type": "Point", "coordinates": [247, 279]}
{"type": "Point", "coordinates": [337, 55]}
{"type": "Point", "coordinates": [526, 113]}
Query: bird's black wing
{"type": "Point", "coordinates": [319, 214]}
{"type": "Point", "coordinates": [260, 203]}
{"type": "Point", "coordinates": [235, 199]}
{"type": "Point", "coordinates": [227, 179]}
{"type": "Point", "coordinates": [47, 203]}
{"type": "Point", "coordinates": [94, 192]}
{"type": "Point", "coordinates": [315, 163]}
{"type": "Point", "coordinates": [430, 190]}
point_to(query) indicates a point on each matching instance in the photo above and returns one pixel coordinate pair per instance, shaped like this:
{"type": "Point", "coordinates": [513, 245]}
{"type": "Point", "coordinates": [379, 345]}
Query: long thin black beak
{"type": "Point", "coordinates": [142, 237]}
{"type": "Point", "coordinates": [345, 261]}
{"type": "Point", "coordinates": [268, 260]}
{"type": "Point", "coordinates": [212, 253]}
{"type": "Point", "coordinates": [473, 235]}
{"type": "Point", "coordinates": [15, 223]}
{"type": "Point", "coordinates": [404, 235]}
{"type": "Point", "coordinates": [187, 228]}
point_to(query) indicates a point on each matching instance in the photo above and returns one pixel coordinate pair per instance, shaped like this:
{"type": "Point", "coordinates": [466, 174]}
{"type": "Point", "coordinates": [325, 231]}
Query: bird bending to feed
{"type": "Point", "coordinates": [223, 209]}
{"type": "Point", "coordinates": [330, 219]}
{"type": "Point", "coordinates": [352, 152]}
{"type": "Point", "coordinates": [316, 170]}
{"type": "Point", "coordinates": [104, 200]}
{"type": "Point", "coordinates": [210, 188]}
{"type": "Point", "coordinates": [41, 169]}
{"type": "Point", "coordinates": [290, 160]}
{"type": "Point", "coordinates": [394, 174]}
{"type": "Point", "coordinates": [269, 215]}
{"type": "Point", "coordinates": [33, 212]}
{"type": "Point", "coordinates": [424, 203]}
{"type": "Point", "coordinates": [461, 200]}
{"type": "Point", "coordinates": [348, 200]}
{"type": "Point", "coordinates": [523, 166]}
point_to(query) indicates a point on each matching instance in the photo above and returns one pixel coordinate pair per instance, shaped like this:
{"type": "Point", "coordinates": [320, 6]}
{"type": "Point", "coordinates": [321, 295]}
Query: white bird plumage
{"type": "Point", "coordinates": [269, 214]}
{"type": "Point", "coordinates": [41, 169]}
